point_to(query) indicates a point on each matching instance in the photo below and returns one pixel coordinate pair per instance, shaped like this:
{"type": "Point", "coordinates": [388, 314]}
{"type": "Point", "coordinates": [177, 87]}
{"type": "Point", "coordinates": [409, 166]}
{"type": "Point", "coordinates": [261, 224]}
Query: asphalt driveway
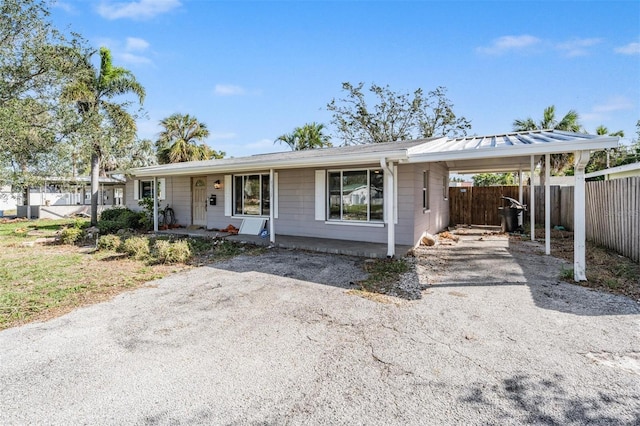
{"type": "Point", "coordinates": [280, 339]}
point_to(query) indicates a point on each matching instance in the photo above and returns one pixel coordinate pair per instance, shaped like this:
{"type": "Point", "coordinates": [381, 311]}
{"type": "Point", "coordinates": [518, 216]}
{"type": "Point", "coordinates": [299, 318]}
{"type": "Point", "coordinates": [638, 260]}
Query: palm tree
{"type": "Point", "coordinates": [178, 142]}
{"type": "Point", "coordinates": [309, 136]}
{"type": "Point", "coordinates": [570, 123]}
{"type": "Point", "coordinates": [92, 93]}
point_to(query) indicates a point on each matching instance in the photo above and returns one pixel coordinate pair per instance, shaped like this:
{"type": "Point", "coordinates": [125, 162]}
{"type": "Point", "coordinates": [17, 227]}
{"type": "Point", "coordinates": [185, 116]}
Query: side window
{"type": "Point", "coordinates": [425, 190]}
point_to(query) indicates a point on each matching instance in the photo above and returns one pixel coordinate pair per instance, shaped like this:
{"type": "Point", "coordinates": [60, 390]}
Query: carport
{"type": "Point", "coordinates": [519, 152]}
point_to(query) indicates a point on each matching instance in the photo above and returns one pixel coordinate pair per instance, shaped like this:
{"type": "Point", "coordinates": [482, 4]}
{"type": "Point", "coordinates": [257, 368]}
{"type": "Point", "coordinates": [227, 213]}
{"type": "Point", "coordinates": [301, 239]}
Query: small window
{"type": "Point", "coordinates": [425, 190]}
{"type": "Point", "coordinates": [445, 187]}
{"type": "Point", "coordinates": [251, 195]}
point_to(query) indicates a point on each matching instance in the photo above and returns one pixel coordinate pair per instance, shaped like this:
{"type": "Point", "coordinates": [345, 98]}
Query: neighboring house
{"type": "Point", "coordinates": [627, 170]}
{"type": "Point", "coordinates": [59, 197]}
{"type": "Point", "coordinates": [388, 193]}
{"type": "Point", "coordinates": [8, 199]}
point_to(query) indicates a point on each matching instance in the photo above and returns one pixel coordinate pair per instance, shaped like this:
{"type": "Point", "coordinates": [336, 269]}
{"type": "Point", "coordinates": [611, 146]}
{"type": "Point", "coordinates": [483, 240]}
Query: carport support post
{"type": "Point", "coordinates": [520, 217]}
{"type": "Point", "coordinates": [532, 199]}
{"type": "Point", "coordinates": [579, 222]}
{"type": "Point", "coordinates": [155, 204]}
{"type": "Point", "coordinates": [272, 195]}
{"type": "Point", "coordinates": [547, 204]}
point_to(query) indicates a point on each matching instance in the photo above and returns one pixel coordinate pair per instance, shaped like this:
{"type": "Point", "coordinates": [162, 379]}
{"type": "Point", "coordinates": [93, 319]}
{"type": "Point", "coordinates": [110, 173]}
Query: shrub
{"type": "Point", "coordinates": [71, 235]}
{"type": "Point", "coordinates": [176, 252]}
{"type": "Point", "coordinates": [109, 242]}
{"type": "Point", "coordinates": [137, 247]}
{"type": "Point", "coordinates": [112, 220]}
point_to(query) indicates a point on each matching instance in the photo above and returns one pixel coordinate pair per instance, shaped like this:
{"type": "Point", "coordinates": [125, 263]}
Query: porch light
{"type": "Point", "coordinates": [217, 184]}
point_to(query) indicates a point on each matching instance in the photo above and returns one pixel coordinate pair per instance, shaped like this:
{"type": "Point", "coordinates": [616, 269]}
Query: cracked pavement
{"type": "Point", "coordinates": [279, 339]}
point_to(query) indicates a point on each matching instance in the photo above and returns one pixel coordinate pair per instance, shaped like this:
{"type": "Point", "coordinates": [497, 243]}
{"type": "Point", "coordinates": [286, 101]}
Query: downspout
{"type": "Point", "coordinates": [389, 208]}
{"type": "Point", "coordinates": [532, 199]}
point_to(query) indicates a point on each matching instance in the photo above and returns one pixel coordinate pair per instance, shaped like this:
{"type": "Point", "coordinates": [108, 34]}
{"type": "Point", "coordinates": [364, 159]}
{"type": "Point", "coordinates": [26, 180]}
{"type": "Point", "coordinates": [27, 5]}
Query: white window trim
{"type": "Point", "coordinates": [233, 203]}
{"type": "Point", "coordinates": [368, 222]}
{"type": "Point", "coordinates": [161, 188]}
{"type": "Point", "coordinates": [426, 196]}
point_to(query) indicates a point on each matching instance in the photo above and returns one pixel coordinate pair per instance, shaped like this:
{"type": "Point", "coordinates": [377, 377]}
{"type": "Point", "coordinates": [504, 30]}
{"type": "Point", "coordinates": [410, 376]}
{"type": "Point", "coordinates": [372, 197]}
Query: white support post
{"type": "Point", "coordinates": [520, 217]}
{"type": "Point", "coordinates": [389, 206]}
{"type": "Point", "coordinates": [532, 199]}
{"type": "Point", "coordinates": [272, 196]}
{"type": "Point", "coordinates": [155, 204]}
{"type": "Point", "coordinates": [579, 219]}
{"type": "Point", "coordinates": [547, 204]}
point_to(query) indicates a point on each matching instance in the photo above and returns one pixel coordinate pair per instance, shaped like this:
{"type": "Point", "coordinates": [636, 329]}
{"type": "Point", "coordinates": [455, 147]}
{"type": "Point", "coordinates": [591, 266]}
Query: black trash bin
{"type": "Point", "coordinates": [510, 215]}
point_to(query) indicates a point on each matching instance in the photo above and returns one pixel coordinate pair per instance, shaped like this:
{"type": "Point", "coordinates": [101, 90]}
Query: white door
{"type": "Point", "coordinates": [199, 203]}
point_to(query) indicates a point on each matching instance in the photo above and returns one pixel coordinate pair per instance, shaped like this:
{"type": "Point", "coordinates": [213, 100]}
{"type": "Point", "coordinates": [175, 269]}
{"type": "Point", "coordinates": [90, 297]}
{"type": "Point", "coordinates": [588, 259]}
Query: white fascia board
{"type": "Point", "coordinates": [256, 165]}
{"type": "Point", "coordinates": [515, 151]}
{"type": "Point", "coordinates": [618, 169]}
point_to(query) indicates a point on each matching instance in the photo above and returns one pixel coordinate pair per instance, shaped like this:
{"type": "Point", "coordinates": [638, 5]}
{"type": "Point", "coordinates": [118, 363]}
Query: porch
{"type": "Point", "coordinates": [320, 245]}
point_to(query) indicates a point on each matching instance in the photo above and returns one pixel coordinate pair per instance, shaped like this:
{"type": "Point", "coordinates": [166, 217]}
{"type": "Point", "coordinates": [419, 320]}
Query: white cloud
{"type": "Point", "coordinates": [229, 90]}
{"type": "Point", "coordinates": [617, 103]}
{"type": "Point", "coordinates": [137, 10]}
{"type": "Point", "coordinates": [578, 46]}
{"type": "Point", "coordinates": [130, 58]}
{"type": "Point", "coordinates": [629, 49]}
{"type": "Point", "coordinates": [136, 44]}
{"type": "Point", "coordinates": [64, 6]}
{"type": "Point", "coordinates": [509, 43]}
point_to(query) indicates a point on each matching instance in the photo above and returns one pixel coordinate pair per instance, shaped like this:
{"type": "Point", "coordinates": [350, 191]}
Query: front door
{"type": "Point", "coordinates": [199, 202]}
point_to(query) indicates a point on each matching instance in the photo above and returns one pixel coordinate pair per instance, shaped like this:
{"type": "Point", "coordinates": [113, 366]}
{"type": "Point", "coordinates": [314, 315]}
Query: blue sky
{"type": "Point", "coordinates": [255, 70]}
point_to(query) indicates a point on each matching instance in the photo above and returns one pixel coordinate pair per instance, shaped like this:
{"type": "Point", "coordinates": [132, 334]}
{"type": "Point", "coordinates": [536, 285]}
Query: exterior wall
{"type": "Point", "coordinates": [177, 195]}
{"type": "Point", "coordinates": [296, 205]}
{"type": "Point", "coordinates": [437, 217]}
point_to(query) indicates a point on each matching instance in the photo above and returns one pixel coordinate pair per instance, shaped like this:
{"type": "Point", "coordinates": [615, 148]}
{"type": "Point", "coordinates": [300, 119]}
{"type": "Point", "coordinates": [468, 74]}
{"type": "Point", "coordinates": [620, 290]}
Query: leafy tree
{"type": "Point", "coordinates": [309, 136]}
{"type": "Point", "coordinates": [178, 142]}
{"type": "Point", "coordinates": [102, 119]}
{"type": "Point", "coordinates": [34, 65]}
{"type": "Point", "coordinates": [394, 116]}
{"type": "Point", "coordinates": [569, 122]}
{"type": "Point", "coordinates": [493, 179]}
{"type": "Point", "coordinates": [602, 159]}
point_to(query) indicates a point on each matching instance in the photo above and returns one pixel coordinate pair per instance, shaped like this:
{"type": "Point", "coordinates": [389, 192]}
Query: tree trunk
{"type": "Point", "coordinates": [95, 171]}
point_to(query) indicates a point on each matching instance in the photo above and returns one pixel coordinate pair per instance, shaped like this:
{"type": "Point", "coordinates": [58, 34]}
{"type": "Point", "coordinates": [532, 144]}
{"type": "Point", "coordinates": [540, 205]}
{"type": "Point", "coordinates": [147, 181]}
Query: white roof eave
{"type": "Point", "coordinates": [257, 165]}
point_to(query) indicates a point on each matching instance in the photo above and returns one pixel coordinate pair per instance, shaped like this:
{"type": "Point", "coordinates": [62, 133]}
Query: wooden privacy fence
{"type": "Point", "coordinates": [612, 210]}
{"type": "Point", "coordinates": [479, 205]}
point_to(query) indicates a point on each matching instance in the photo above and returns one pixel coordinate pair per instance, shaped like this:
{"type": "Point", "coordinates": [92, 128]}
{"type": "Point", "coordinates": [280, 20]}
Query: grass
{"type": "Point", "coordinates": [383, 275]}
{"type": "Point", "coordinates": [41, 281]}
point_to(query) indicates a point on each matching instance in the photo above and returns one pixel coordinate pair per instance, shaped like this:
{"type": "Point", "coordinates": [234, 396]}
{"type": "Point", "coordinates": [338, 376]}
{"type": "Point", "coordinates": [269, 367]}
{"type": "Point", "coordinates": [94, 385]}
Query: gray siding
{"type": "Point", "coordinates": [437, 217]}
{"type": "Point", "coordinates": [296, 205]}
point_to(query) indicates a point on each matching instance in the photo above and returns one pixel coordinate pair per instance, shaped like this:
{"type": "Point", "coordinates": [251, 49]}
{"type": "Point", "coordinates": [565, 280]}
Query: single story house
{"type": "Point", "coordinates": [59, 197]}
{"type": "Point", "coordinates": [390, 193]}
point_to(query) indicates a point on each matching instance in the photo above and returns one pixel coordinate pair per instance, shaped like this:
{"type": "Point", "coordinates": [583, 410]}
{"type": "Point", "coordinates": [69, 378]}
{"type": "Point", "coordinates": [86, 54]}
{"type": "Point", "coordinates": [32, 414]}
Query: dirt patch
{"type": "Point", "coordinates": [606, 270]}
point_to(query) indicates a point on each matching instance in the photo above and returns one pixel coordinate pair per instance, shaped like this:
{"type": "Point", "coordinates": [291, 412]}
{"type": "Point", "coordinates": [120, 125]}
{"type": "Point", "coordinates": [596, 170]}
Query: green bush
{"type": "Point", "coordinates": [109, 242]}
{"type": "Point", "coordinates": [112, 220]}
{"type": "Point", "coordinates": [176, 252]}
{"type": "Point", "coordinates": [137, 247]}
{"type": "Point", "coordinates": [71, 235]}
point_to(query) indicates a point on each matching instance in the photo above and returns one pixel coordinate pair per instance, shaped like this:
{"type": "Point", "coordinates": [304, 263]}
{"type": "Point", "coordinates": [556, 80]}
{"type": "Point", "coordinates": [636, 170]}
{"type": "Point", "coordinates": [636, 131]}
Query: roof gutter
{"type": "Point", "coordinates": [373, 157]}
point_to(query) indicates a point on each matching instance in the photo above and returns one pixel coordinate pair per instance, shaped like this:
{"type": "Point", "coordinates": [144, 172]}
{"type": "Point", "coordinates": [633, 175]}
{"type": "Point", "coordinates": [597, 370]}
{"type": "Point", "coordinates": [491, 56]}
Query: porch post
{"type": "Point", "coordinates": [532, 199]}
{"type": "Point", "coordinates": [272, 196]}
{"type": "Point", "coordinates": [155, 204]}
{"type": "Point", "coordinates": [389, 207]}
{"type": "Point", "coordinates": [520, 217]}
{"type": "Point", "coordinates": [579, 222]}
{"type": "Point", "coordinates": [547, 204]}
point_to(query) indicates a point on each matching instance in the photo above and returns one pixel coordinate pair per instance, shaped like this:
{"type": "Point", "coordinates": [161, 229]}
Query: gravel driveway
{"type": "Point", "coordinates": [278, 339]}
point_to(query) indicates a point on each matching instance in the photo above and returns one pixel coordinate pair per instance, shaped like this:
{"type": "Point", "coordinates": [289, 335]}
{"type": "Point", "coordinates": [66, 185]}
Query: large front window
{"type": "Point", "coordinates": [251, 195]}
{"type": "Point", "coordinates": [356, 195]}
